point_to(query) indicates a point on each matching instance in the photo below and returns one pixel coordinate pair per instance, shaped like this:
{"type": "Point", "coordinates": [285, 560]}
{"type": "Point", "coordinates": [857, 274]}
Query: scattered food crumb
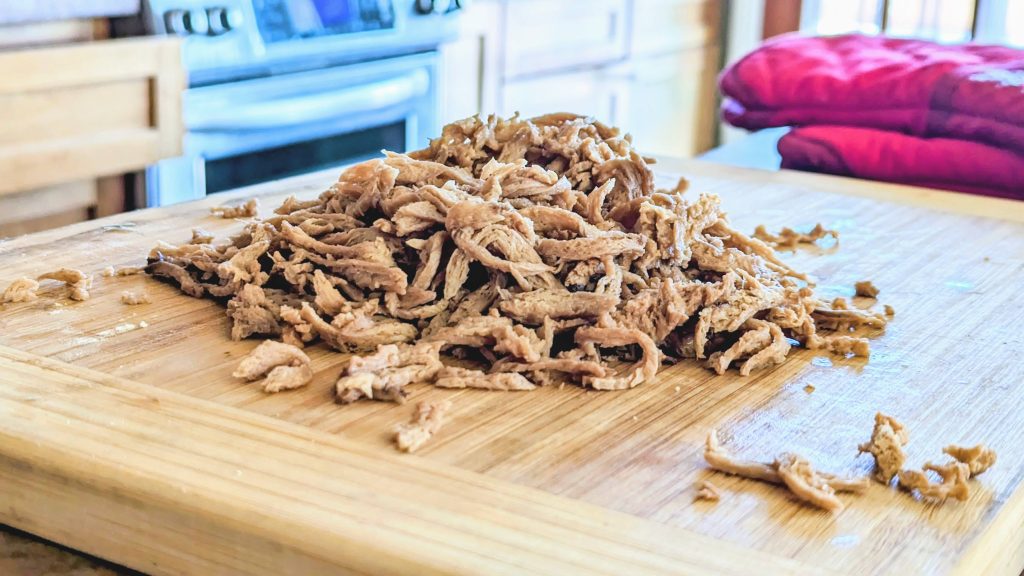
{"type": "Point", "coordinates": [708, 491]}
{"type": "Point", "coordinates": [840, 344]}
{"type": "Point", "coordinates": [200, 236]}
{"type": "Point", "coordinates": [143, 324]}
{"type": "Point", "coordinates": [119, 329]}
{"type": "Point", "coordinates": [384, 374]}
{"type": "Point", "coordinates": [720, 459]}
{"type": "Point", "coordinates": [840, 303]}
{"type": "Point", "coordinates": [132, 298]}
{"type": "Point", "coordinates": [789, 239]}
{"type": "Point", "coordinates": [806, 484]}
{"type": "Point", "coordinates": [454, 377]}
{"type": "Point", "coordinates": [953, 482]}
{"type": "Point", "coordinates": [793, 471]}
{"type": "Point", "coordinates": [889, 310]}
{"type": "Point", "coordinates": [77, 282]}
{"type": "Point", "coordinates": [287, 378]}
{"type": "Point", "coordinates": [886, 445]}
{"type": "Point", "coordinates": [21, 290]}
{"type": "Point", "coordinates": [110, 271]}
{"type": "Point", "coordinates": [122, 227]}
{"type": "Point", "coordinates": [427, 420]}
{"type": "Point", "coordinates": [978, 458]}
{"type": "Point", "coordinates": [986, 259]}
{"type": "Point", "coordinates": [677, 389]}
{"type": "Point", "coordinates": [866, 289]}
{"type": "Point", "coordinates": [284, 366]}
{"type": "Point", "coordinates": [809, 388]}
{"type": "Point", "coordinates": [250, 209]}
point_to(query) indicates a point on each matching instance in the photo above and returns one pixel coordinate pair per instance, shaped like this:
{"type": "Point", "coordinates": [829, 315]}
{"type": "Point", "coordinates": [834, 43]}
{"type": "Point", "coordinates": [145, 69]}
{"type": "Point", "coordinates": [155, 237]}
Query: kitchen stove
{"type": "Point", "coordinates": [283, 87]}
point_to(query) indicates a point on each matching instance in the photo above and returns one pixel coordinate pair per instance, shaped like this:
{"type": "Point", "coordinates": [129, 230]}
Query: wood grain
{"type": "Point", "coordinates": [112, 462]}
{"type": "Point", "coordinates": [951, 265]}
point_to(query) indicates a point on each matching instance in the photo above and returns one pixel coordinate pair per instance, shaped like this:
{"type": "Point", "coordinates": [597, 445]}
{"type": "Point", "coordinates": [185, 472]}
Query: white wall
{"type": "Point", "coordinates": [744, 28]}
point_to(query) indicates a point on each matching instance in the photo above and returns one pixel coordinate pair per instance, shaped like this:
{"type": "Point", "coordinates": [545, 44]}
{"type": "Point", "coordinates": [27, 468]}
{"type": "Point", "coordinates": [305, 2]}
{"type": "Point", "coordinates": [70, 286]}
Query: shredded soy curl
{"type": "Point", "coordinates": [536, 247]}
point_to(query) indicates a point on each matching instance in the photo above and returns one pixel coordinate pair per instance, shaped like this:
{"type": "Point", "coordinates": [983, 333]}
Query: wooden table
{"type": "Point", "coordinates": [136, 445]}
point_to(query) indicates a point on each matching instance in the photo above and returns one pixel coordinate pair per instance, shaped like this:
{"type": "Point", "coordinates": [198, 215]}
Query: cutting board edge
{"type": "Point", "coordinates": [53, 471]}
{"type": "Point", "coordinates": [932, 198]}
{"type": "Point", "coordinates": [998, 550]}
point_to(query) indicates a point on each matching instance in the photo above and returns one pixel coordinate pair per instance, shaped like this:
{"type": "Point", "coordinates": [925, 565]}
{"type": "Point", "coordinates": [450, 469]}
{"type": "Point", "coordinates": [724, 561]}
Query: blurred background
{"type": "Point", "coordinates": [111, 105]}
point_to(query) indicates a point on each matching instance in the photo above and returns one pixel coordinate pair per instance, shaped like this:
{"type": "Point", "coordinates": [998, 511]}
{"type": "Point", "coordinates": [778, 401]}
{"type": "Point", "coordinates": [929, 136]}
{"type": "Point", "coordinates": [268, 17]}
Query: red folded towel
{"type": "Point", "coordinates": [944, 163]}
{"type": "Point", "coordinates": [968, 92]}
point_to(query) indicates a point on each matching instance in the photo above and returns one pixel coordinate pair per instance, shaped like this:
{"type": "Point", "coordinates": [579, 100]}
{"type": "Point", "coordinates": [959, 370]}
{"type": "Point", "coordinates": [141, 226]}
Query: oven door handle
{"type": "Point", "coordinates": [295, 111]}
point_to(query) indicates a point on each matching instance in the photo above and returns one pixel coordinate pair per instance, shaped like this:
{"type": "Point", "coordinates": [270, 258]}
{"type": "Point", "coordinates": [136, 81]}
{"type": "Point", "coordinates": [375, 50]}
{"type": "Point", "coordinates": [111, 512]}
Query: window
{"type": "Point", "coordinates": [992, 21]}
{"type": "Point", "coordinates": [826, 17]}
{"type": "Point", "coordinates": [1001, 21]}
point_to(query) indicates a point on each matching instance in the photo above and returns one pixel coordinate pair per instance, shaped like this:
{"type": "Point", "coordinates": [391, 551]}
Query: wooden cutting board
{"type": "Point", "coordinates": [135, 444]}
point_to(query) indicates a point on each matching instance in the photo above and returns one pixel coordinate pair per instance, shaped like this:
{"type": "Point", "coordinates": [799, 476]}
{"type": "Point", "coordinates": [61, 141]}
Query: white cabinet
{"type": "Point", "coordinates": [545, 35]}
{"type": "Point", "coordinates": [602, 93]}
{"type": "Point", "coordinates": [647, 66]}
{"type": "Point", "coordinates": [673, 104]}
{"type": "Point", "coordinates": [471, 66]}
{"type": "Point", "coordinates": [662, 26]}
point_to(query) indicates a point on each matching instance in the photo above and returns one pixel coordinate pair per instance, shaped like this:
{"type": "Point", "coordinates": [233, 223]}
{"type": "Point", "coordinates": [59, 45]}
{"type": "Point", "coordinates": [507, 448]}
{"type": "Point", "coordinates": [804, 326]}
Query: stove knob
{"type": "Point", "coordinates": [432, 6]}
{"type": "Point", "coordinates": [174, 21]}
{"type": "Point", "coordinates": [196, 22]}
{"type": "Point", "coordinates": [223, 19]}
{"type": "Point", "coordinates": [232, 18]}
{"type": "Point", "coordinates": [213, 16]}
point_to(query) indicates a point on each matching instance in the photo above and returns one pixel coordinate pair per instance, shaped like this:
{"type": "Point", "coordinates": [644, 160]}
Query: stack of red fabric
{"type": "Point", "coordinates": [896, 110]}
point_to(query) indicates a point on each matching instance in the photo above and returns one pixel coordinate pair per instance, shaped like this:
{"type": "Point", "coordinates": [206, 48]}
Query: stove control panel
{"type": "Point", "coordinates": [227, 39]}
{"type": "Point", "coordinates": [211, 21]}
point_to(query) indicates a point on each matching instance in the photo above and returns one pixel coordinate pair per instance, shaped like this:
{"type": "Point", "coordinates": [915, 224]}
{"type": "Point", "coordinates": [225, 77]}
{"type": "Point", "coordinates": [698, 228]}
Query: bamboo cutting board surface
{"type": "Point", "coordinates": [135, 444]}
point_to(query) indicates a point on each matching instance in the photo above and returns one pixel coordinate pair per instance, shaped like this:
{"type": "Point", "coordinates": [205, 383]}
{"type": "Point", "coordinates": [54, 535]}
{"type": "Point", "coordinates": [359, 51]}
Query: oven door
{"type": "Point", "coordinates": [242, 133]}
